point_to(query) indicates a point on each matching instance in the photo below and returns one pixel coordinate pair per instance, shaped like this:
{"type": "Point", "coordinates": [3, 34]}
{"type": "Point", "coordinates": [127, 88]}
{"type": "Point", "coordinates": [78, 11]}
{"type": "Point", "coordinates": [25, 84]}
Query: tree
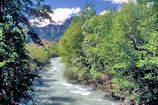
{"type": "Point", "coordinates": [23, 11]}
{"type": "Point", "coordinates": [136, 44]}
{"type": "Point", "coordinates": [15, 73]}
{"type": "Point", "coordinates": [70, 44]}
{"type": "Point", "coordinates": [122, 45]}
{"type": "Point", "coordinates": [88, 11]}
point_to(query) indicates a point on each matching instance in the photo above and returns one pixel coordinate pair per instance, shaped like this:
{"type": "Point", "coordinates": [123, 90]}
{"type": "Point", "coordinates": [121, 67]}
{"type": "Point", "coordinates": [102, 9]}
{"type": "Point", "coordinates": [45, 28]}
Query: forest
{"type": "Point", "coordinates": [116, 52]}
{"type": "Point", "coordinates": [17, 66]}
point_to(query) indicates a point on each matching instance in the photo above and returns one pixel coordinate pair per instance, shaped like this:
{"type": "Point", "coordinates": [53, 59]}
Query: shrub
{"type": "Point", "coordinates": [41, 54]}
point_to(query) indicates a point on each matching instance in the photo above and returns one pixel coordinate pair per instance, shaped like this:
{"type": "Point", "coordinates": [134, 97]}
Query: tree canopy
{"type": "Point", "coordinates": [118, 50]}
{"type": "Point", "coordinates": [15, 73]}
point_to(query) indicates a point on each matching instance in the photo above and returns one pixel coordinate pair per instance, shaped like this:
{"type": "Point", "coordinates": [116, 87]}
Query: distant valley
{"type": "Point", "coordinates": [52, 31]}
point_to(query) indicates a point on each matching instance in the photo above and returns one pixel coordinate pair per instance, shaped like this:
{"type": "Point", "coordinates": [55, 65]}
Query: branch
{"type": "Point", "coordinates": [134, 41]}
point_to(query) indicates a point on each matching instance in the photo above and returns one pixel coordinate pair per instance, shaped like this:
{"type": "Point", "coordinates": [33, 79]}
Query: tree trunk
{"type": "Point", "coordinates": [110, 84]}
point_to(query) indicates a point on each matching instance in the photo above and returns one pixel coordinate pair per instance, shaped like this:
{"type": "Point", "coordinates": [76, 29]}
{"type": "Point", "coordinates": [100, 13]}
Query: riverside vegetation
{"type": "Point", "coordinates": [117, 51]}
{"type": "Point", "coordinates": [42, 54]}
{"type": "Point", "coordinates": [16, 79]}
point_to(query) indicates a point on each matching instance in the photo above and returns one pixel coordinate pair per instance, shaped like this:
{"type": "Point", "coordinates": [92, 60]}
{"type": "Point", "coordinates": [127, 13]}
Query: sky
{"type": "Point", "coordinates": [99, 5]}
{"type": "Point", "coordinates": [64, 9]}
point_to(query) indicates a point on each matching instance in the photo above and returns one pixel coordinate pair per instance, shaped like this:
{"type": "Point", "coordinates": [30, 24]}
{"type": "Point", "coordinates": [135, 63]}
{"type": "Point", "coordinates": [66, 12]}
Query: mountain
{"type": "Point", "coordinates": [52, 31]}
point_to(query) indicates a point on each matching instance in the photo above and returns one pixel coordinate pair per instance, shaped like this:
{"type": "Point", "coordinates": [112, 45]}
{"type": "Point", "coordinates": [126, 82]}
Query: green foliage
{"type": "Point", "coordinates": [38, 53]}
{"type": "Point", "coordinates": [140, 54]}
{"type": "Point", "coordinates": [16, 77]}
{"type": "Point", "coordinates": [121, 45]}
{"type": "Point", "coordinates": [41, 54]}
{"type": "Point", "coordinates": [70, 44]}
{"type": "Point", "coordinates": [70, 74]}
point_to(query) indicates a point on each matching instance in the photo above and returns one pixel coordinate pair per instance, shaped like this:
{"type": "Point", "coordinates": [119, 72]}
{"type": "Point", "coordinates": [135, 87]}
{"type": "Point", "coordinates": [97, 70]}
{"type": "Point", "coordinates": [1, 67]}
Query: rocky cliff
{"type": "Point", "coordinates": [52, 31]}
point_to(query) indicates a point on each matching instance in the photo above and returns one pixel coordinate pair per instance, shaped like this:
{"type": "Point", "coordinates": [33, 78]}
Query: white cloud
{"type": "Point", "coordinates": [119, 1]}
{"type": "Point", "coordinates": [59, 16]}
{"type": "Point", "coordinates": [104, 12]}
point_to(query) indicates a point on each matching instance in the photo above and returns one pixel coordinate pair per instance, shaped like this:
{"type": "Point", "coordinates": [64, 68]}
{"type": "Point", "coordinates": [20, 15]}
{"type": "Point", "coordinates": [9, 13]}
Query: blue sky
{"type": "Point", "coordinates": [99, 5]}
{"type": "Point", "coordinates": [64, 9]}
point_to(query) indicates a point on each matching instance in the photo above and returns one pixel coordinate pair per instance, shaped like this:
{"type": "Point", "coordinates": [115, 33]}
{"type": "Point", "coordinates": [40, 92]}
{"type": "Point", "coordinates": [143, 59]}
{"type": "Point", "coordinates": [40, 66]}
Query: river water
{"type": "Point", "coordinates": [53, 89]}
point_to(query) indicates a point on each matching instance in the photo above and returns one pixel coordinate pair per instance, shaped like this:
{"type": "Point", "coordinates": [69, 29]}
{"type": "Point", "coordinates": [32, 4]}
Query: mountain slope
{"type": "Point", "coordinates": [52, 31]}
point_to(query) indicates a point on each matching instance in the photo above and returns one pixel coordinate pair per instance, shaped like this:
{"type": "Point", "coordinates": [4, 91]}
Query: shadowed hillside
{"type": "Point", "coordinates": [52, 31]}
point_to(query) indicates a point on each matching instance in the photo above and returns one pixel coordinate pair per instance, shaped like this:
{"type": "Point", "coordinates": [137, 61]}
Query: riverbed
{"type": "Point", "coordinates": [53, 89]}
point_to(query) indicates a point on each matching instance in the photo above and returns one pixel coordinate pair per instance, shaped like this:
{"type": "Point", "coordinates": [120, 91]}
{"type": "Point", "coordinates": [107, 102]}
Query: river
{"type": "Point", "coordinates": [53, 89]}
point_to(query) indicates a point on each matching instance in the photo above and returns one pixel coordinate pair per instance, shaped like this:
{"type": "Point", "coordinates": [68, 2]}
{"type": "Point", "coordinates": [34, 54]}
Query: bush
{"type": "Point", "coordinates": [37, 53]}
{"type": "Point", "coordinates": [41, 54]}
{"type": "Point", "coordinates": [69, 74]}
